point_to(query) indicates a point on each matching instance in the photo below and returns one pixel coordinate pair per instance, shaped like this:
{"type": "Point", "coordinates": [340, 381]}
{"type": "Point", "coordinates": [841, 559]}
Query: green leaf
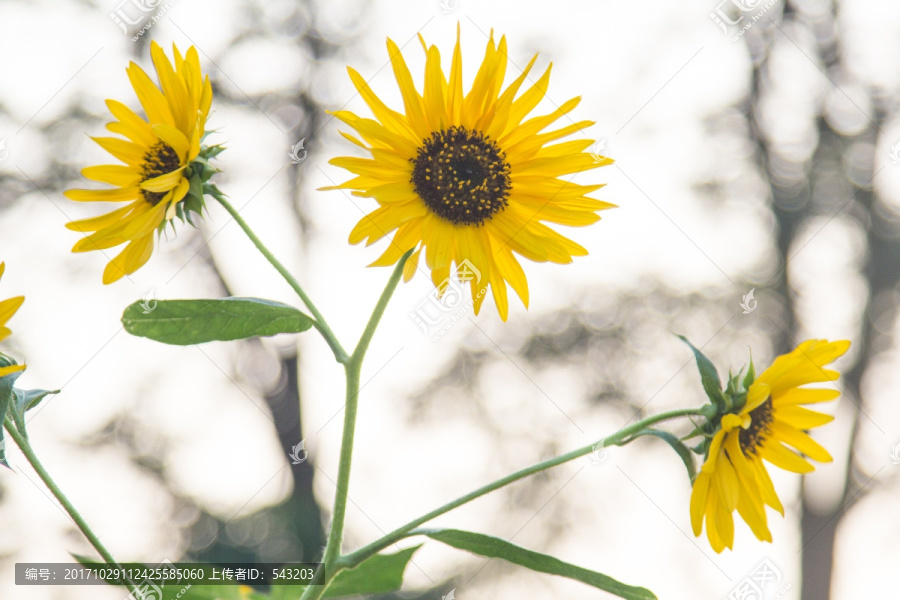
{"type": "Point", "coordinates": [378, 574]}
{"type": "Point", "coordinates": [186, 322]}
{"type": "Point", "coordinates": [708, 376]}
{"type": "Point", "coordinates": [492, 547]}
{"type": "Point", "coordinates": [677, 445]}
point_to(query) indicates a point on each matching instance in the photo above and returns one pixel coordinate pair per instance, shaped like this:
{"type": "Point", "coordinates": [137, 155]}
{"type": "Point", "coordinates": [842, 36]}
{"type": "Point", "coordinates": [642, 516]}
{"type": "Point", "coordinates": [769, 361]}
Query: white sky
{"type": "Point", "coordinates": [650, 74]}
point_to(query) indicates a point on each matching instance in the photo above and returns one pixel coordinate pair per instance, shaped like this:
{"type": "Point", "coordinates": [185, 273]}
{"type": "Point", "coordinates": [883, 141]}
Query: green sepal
{"type": "Point", "coordinates": [750, 377]}
{"type": "Point", "coordinates": [709, 377]}
{"type": "Point", "coordinates": [28, 399]}
{"type": "Point", "coordinates": [677, 445]}
{"type": "Point", "coordinates": [7, 398]}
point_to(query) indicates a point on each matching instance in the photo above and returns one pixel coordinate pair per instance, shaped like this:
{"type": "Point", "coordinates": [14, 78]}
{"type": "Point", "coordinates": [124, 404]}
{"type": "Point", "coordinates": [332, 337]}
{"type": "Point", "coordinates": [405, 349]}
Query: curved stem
{"type": "Point", "coordinates": [331, 562]}
{"type": "Point", "coordinates": [24, 445]}
{"type": "Point", "coordinates": [354, 558]}
{"type": "Point", "coordinates": [363, 345]}
{"type": "Point", "coordinates": [320, 322]}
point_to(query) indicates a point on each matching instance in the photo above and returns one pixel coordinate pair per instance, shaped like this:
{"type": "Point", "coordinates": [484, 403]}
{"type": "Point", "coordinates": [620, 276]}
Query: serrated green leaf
{"type": "Point", "coordinates": [492, 547]}
{"type": "Point", "coordinates": [709, 377]}
{"type": "Point", "coordinates": [677, 445]}
{"type": "Point", "coordinates": [186, 322]}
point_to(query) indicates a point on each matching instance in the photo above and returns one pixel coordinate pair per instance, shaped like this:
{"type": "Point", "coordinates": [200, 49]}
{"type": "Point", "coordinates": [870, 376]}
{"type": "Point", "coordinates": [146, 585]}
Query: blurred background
{"type": "Point", "coordinates": [757, 150]}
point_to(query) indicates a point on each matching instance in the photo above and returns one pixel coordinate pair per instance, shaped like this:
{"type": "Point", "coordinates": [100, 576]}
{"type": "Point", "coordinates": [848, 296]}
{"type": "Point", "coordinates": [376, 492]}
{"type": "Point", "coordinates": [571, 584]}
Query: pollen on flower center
{"type": "Point", "coordinates": [760, 419]}
{"type": "Point", "coordinates": [462, 175]}
{"type": "Point", "coordinates": [159, 160]}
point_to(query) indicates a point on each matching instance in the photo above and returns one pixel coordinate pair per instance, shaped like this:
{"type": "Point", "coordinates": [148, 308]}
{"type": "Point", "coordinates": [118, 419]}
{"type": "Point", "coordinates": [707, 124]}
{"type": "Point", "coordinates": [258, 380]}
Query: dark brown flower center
{"type": "Point", "coordinates": [159, 160]}
{"type": "Point", "coordinates": [760, 419]}
{"type": "Point", "coordinates": [462, 175]}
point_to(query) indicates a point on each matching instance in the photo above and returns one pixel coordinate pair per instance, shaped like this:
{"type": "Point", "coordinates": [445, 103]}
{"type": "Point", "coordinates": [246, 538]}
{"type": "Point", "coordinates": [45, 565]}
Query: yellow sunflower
{"type": "Point", "coordinates": [468, 177]}
{"type": "Point", "coordinates": [771, 423]}
{"type": "Point", "coordinates": [157, 154]}
{"type": "Point", "coordinates": [7, 309]}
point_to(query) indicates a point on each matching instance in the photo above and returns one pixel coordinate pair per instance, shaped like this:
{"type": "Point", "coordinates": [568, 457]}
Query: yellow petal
{"type": "Point", "coordinates": [150, 97]}
{"type": "Point", "coordinates": [783, 458]}
{"type": "Point", "coordinates": [109, 195]}
{"type": "Point", "coordinates": [128, 152]}
{"type": "Point", "coordinates": [699, 494]}
{"type": "Point", "coordinates": [117, 175]}
{"type": "Point", "coordinates": [802, 418]}
{"type": "Point", "coordinates": [164, 182]}
{"type": "Point", "coordinates": [4, 371]}
{"type": "Point", "coordinates": [412, 101]}
{"type": "Point", "coordinates": [174, 138]}
{"type": "Point", "coordinates": [799, 440]}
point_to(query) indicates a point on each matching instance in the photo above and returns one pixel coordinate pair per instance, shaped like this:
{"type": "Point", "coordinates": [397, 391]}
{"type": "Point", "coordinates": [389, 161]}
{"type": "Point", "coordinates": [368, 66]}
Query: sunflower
{"type": "Point", "coordinates": [7, 309]}
{"type": "Point", "coordinates": [157, 154]}
{"type": "Point", "coordinates": [466, 178]}
{"type": "Point", "coordinates": [772, 421]}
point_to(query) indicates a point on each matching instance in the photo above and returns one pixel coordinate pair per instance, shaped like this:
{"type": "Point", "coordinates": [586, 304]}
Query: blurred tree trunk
{"type": "Point", "coordinates": [881, 273]}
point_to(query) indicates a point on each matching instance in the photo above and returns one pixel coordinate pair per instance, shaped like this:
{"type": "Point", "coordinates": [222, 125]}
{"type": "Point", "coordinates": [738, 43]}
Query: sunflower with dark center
{"type": "Point", "coordinates": [468, 179]}
{"type": "Point", "coordinates": [772, 426]}
{"type": "Point", "coordinates": [157, 153]}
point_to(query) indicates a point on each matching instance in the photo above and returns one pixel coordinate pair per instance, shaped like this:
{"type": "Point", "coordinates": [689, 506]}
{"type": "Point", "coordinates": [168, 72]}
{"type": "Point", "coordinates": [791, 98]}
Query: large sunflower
{"type": "Point", "coordinates": [156, 154]}
{"type": "Point", "coordinates": [465, 177]}
{"type": "Point", "coordinates": [8, 308]}
{"type": "Point", "coordinates": [770, 427]}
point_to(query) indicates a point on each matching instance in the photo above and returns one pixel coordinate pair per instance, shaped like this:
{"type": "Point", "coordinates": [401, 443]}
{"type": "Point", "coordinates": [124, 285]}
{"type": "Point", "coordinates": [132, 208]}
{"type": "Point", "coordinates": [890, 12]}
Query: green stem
{"type": "Point", "coordinates": [331, 563]}
{"type": "Point", "coordinates": [24, 445]}
{"type": "Point", "coordinates": [320, 322]}
{"type": "Point", "coordinates": [363, 345]}
{"type": "Point", "coordinates": [354, 558]}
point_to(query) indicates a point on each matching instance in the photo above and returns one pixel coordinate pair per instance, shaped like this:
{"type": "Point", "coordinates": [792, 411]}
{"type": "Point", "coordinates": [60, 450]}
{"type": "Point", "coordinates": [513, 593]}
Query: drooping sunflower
{"type": "Point", "coordinates": [8, 308]}
{"type": "Point", "coordinates": [467, 176]}
{"type": "Point", "coordinates": [157, 153]}
{"type": "Point", "coordinates": [772, 426]}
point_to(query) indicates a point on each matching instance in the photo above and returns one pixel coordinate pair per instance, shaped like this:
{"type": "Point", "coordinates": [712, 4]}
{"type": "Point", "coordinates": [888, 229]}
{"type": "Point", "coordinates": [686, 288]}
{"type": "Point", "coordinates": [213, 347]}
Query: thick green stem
{"type": "Point", "coordinates": [354, 558]}
{"type": "Point", "coordinates": [331, 562]}
{"type": "Point", "coordinates": [320, 323]}
{"type": "Point", "coordinates": [24, 445]}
